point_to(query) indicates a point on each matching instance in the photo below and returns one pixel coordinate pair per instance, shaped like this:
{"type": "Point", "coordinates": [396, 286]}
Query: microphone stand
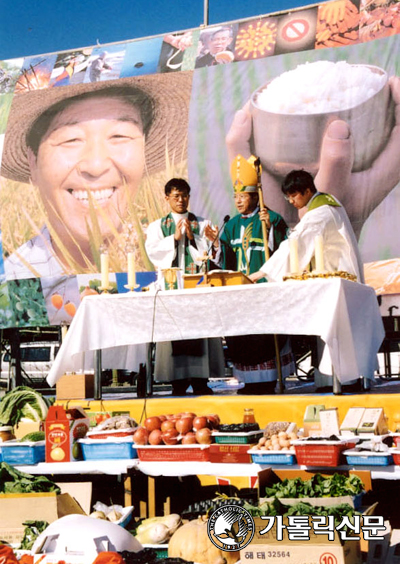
{"type": "Point", "coordinates": [206, 256]}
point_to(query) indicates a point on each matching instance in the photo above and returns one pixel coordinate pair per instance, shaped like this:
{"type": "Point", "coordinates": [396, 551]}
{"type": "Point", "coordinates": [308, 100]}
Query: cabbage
{"type": "Point", "coordinates": [22, 402]}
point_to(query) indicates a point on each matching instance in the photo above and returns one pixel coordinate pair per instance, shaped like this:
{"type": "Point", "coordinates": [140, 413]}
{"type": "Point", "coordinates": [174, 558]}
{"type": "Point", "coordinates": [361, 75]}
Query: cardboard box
{"type": "Point", "coordinates": [25, 427]}
{"type": "Point", "coordinates": [329, 421]}
{"type": "Point", "coordinates": [373, 422]}
{"type": "Point", "coordinates": [352, 420]}
{"type": "Point", "coordinates": [312, 422]}
{"type": "Point", "coordinates": [75, 386]}
{"type": "Point", "coordinates": [15, 509]}
{"type": "Point", "coordinates": [231, 454]}
{"type": "Point", "coordinates": [267, 549]}
{"type": "Point", "coordinates": [80, 492]}
{"type": "Point", "coordinates": [63, 428]}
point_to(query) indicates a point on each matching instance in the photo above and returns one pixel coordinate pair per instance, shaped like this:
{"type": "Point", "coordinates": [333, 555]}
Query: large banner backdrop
{"type": "Point", "coordinates": [90, 137]}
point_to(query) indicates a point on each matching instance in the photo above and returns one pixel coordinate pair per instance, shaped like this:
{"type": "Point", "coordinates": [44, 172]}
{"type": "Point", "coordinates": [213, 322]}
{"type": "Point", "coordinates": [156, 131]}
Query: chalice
{"type": "Point", "coordinates": [170, 276]}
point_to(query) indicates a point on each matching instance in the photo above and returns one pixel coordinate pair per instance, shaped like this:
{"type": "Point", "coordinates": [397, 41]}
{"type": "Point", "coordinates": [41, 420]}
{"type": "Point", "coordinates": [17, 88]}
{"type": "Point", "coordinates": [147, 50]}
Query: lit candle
{"type": "Point", "coordinates": [294, 255]}
{"type": "Point", "coordinates": [319, 253]}
{"type": "Point", "coordinates": [104, 264]}
{"type": "Point", "coordinates": [131, 270]}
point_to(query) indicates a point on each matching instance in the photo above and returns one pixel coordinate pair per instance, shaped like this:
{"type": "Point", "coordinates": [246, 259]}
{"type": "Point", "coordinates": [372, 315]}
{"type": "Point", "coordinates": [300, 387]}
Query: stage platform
{"type": "Point", "coordinates": [290, 406]}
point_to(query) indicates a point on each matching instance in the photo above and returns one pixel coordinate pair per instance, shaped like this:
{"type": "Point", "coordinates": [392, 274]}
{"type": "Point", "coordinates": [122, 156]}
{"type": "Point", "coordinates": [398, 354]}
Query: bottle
{"type": "Point", "coordinates": [248, 415]}
{"type": "Point", "coordinates": [6, 433]}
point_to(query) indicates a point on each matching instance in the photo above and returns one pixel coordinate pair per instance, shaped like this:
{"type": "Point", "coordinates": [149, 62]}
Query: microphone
{"type": "Point", "coordinates": [225, 221]}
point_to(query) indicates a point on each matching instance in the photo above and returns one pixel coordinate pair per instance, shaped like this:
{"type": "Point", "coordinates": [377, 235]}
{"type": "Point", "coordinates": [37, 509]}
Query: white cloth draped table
{"type": "Point", "coordinates": [344, 314]}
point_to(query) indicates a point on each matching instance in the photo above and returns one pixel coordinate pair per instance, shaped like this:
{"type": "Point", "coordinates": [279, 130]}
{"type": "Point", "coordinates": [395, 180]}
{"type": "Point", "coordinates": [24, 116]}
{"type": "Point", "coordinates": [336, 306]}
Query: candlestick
{"type": "Point", "coordinates": [293, 255]}
{"type": "Point", "coordinates": [64, 330]}
{"type": "Point", "coordinates": [104, 267]}
{"type": "Point", "coordinates": [319, 253]}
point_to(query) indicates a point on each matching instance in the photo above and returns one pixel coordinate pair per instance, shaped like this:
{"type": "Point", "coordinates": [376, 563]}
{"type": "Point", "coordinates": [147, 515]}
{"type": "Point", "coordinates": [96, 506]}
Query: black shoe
{"type": "Point", "coordinates": [203, 391]}
{"type": "Point", "coordinates": [356, 388]}
{"type": "Point", "coordinates": [200, 387]}
{"type": "Point", "coordinates": [258, 389]}
{"type": "Point", "coordinates": [179, 387]}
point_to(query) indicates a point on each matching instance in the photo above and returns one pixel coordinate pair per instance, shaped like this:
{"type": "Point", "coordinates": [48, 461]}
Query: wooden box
{"type": "Point", "coordinates": [75, 386]}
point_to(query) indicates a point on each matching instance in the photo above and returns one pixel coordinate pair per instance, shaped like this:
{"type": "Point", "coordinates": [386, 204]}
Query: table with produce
{"type": "Point", "coordinates": [318, 467]}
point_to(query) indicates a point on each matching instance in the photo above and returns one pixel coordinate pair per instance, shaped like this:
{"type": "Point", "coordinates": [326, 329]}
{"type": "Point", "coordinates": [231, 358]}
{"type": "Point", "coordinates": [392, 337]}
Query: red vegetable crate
{"type": "Point", "coordinates": [230, 454]}
{"type": "Point", "coordinates": [320, 453]}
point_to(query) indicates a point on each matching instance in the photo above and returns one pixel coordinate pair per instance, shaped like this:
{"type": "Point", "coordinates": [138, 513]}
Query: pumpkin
{"type": "Point", "coordinates": [191, 543]}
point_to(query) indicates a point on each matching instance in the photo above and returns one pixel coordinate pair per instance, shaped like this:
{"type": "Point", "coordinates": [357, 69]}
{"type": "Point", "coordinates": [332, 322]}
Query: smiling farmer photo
{"type": "Point", "coordinates": [86, 149]}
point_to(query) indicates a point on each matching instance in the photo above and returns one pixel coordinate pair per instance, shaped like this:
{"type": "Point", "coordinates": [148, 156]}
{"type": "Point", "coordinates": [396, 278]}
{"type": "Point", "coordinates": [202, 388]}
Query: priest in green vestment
{"type": "Point", "coordinates": [242, 248]}
{"type": "Point", "coordinates": [179, 240]}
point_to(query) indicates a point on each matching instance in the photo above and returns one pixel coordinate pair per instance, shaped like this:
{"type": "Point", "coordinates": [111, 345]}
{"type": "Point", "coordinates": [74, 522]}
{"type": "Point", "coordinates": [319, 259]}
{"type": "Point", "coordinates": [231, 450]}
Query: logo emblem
{"type": "Point", "coordinates": [230, 527]}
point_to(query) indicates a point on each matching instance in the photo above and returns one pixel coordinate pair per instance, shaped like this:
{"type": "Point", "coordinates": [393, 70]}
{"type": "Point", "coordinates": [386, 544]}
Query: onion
{"type": "Point", "coordinates": [170, 437]}
{"type": "Point", "coordinates": [167, 425]}
{"type": "Point", "coordinates": [199, 423]}
{"type": "Point", "coordinates": [155, 437]}
{"type": "Point", "coordinates": [184, 425]}
{"type": "Point", "coordinates": [189, 439]}
{"type": "Point", "coordinates": [204, 436]}
{"type": "Point", "coordinates": [152, 423]}
{"type": "Point", "coordinates": [140, 436]}
{"type": "Point", "coordinates": [213, 420]}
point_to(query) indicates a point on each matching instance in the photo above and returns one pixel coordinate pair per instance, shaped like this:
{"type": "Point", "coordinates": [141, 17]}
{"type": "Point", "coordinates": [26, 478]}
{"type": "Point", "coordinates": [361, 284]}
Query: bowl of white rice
{"type": "Point", "coordinates": [292, 112]}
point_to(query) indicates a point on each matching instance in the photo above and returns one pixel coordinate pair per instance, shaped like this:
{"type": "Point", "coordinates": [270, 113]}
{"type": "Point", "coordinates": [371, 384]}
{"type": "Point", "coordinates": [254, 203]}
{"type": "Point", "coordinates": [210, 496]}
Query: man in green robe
{"type": "Point", "coordinates": [242, 248]}
{"type": "Point", "coordinates": [178, 240]}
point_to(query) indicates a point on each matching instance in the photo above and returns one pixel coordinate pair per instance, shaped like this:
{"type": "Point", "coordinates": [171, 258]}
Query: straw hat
{"type": "Point", "coordinates": [170, 94]}
{"type": "Point", "coordinates": [244, 174]}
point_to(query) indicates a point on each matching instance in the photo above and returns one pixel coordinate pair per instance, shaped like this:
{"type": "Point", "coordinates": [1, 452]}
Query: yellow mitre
{"type": "Point", "coordinates": [244, 174]}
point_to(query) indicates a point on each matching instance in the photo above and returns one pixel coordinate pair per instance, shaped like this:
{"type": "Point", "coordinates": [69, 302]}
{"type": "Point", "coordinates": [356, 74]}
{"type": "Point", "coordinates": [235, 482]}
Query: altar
{"type": "Point", "coordinates": [344, 314]}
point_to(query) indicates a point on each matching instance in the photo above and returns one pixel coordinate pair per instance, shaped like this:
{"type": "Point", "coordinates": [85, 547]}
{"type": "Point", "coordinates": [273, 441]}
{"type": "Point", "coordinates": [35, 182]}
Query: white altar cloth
{"type": "Point", "coordinates": [344, 314]}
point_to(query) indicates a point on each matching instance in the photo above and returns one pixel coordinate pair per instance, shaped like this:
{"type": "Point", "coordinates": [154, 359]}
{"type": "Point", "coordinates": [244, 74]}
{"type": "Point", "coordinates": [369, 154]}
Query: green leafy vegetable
{"type": "Point", "coordinates": [318, 486]}
{"type": "Point", "coordinates": [338, 512]}
{"type": "Point", "coordinates": [14, 481]}
{"type": "Point", "coordinates": [32, 530]}
{"type": "Point", "coordinates": [22, 402]}
{"type": "Point", "coordinates": [34, 437]}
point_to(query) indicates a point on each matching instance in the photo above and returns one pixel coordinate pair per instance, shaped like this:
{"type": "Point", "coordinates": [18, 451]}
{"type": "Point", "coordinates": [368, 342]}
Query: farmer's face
{"type": "Point", "coordinates": [220, 41]}
{"type": "Point", "coordinates": [92, 149]}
